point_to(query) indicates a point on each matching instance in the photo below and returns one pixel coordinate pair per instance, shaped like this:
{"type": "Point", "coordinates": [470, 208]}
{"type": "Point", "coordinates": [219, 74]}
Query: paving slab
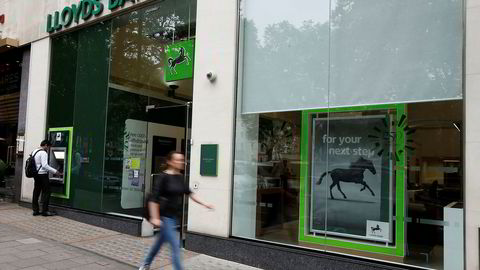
{"type": "Point", "coordinates": [43, 243]}
{"type": "Point", "coordinates": [62, 229]}
{"type": "Point", "coordinates": [24, 250]}
{"type": "Point", "coordinates": [130, 249]}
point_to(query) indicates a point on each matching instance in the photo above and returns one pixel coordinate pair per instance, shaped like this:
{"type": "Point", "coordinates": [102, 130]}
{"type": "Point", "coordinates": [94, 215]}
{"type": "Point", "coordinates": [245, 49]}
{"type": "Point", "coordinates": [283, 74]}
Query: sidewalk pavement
{"type": "Point", "coordinates": [38, 243]}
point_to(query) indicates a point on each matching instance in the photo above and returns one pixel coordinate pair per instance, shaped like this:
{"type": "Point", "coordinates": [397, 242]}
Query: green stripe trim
{"type": "Point", "coordinates": [400, 185]}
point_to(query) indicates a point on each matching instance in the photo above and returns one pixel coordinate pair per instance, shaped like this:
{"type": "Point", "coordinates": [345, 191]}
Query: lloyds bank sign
{"type": "Point", "coordinates": [84, 10]}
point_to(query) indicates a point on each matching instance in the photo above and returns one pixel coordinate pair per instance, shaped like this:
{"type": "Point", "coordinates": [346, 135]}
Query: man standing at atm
{"type": "Point", "coordinates": [42, 183]}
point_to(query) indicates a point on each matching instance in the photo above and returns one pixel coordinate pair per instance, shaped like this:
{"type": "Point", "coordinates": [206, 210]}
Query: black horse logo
{"type": "Point", "coordinates": [182, 57]}
{"type": "Point", "coordinates": [374, 229]}
{"type": "Point", "coordinates": [354, 174]}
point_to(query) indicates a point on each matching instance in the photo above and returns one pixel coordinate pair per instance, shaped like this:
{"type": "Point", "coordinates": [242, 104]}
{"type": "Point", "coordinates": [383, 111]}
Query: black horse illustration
{"type": "Point", "coordinates": [172, 63]}
{"type": "Point", "coordinates": [354, 174]}
{"type": "Point", "coordinates": [376, 229]}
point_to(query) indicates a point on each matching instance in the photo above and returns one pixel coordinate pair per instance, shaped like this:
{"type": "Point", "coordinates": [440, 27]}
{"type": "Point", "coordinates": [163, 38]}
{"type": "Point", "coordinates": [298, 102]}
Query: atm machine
{"type": "Point", "coordinates": [59, 158]}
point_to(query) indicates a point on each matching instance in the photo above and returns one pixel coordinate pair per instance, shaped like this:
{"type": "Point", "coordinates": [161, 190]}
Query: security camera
{"type": "Point", "coordinates": [173, 84]}
{"type": "Point", "coordinates": [211, 76]}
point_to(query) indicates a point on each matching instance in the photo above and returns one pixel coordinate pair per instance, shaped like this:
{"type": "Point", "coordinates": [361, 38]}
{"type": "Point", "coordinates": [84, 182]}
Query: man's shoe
{"type": "Point", "coordinates": [48, 214]}
{"type": "Point", "coordinates": [144, 267]}
{"type": "Point", "coordinates": [36, 213]}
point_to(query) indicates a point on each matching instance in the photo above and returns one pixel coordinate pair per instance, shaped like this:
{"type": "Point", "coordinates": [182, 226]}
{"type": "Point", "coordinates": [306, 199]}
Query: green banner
{"type": "Point", "coordinates": [179, 61]}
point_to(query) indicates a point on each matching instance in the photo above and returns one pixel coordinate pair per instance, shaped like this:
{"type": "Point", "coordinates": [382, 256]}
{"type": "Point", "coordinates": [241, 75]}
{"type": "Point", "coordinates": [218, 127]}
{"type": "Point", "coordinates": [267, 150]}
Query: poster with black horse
{"type": "Point", "coordinates": [352, 177]}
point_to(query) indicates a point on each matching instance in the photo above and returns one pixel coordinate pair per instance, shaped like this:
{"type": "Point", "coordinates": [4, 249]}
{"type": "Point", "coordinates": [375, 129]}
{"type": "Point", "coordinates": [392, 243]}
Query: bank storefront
{"type": "Point", "coordinates": [328, 134]}
{"type": "Point", "coordinates": [349, 129]}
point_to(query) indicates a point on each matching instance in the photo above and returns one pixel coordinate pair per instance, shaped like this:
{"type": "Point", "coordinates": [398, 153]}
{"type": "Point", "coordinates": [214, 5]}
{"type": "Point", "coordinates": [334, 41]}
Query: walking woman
{"type": "Point", "coordinates": [165, 205]}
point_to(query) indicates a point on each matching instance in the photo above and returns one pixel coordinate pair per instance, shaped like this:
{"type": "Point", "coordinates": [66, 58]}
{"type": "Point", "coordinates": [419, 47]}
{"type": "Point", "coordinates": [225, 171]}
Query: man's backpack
{"type": "Point", "coordinates": [31, 167]}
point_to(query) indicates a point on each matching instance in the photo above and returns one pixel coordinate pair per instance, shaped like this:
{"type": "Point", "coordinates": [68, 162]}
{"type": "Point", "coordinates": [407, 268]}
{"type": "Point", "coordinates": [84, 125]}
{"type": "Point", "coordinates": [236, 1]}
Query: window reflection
{"type": "Point", "coordinates": [278, 176]}
{"type": "Point", "coordinates": [138, 70]}
{"type": "Point", "coordinates": [121, 63]}
{"type": "Point", "coordinates": [416, 154]}
{"type": "Point", "coordinates": [434, 182]}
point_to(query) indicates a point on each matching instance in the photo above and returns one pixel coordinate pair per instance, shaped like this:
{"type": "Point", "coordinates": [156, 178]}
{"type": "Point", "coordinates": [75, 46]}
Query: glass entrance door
{"type": "Point", "coordinates": [164, 138]}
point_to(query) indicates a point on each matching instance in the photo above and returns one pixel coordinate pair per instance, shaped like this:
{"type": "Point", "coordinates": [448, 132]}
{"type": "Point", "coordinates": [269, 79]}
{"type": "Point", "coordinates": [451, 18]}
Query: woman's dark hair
{"type": "Point", "coordinates": [169, 157]}
{"type": "Point", "coordinates": [171, 153]}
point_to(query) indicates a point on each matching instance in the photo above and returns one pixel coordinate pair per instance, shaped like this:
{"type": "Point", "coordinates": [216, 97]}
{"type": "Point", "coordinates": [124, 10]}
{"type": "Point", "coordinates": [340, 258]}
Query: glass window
{"type": "Point", "coordinates": [358, 147]}
{"type": "Point", "coordinates": [10, 84]}
{"type": "Point", "coordinates": [102, 79]}
{"type": "Point", "coordinates": [139, 44]}
{"type": "Point", "coordinates": [314, 54]}
{"type": "Point", "coordinates": [79, 69]}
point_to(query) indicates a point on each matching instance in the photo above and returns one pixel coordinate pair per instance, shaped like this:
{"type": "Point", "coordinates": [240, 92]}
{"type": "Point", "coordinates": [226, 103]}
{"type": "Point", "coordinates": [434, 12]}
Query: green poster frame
{"type": "Point", "coordinates": [65, 195]}
{"type": "Point", "coordinates": [399, 248]}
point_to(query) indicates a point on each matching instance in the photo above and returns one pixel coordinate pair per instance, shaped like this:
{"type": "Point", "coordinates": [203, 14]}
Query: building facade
{"type": "Point", "coordinates": [326, 133]}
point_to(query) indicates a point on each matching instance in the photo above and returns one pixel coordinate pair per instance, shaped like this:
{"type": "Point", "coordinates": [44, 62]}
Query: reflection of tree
{"type": "Point", "coordinates": [138, 41]}
{"type": "Point", "coordinates": [392, 50]}
{"type": "Point", "coordinates": [122, 106]}
{"type": "Point", "coordinates": [138, 44]}
{"type": "Point", "coordinates": [287, 58]}
{"type": "Point", "coordinates": [275, 137]}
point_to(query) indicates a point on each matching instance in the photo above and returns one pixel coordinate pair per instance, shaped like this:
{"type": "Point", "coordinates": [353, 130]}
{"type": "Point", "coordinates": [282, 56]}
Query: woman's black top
{"type": "Point", "coordinates": [168, 191]}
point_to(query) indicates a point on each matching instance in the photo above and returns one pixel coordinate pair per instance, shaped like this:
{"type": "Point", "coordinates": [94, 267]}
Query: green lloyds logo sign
{"type": "Point", "coordinates": [179, 61]}
{"type": "Point", "coordinates": [84, 9]}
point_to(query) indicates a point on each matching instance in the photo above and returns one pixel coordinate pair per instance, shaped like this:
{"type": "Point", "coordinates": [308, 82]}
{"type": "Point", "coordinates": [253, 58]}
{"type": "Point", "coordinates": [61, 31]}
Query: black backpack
{"type": "Point", "coordinates": [31, 167]}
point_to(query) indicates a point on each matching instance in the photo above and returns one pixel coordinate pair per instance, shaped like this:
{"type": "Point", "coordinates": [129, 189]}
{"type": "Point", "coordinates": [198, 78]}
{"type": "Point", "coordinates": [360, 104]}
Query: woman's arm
{"type": "Point", "coordinates": [195, 198]}
{"type": "Point", "coordinates": [154, 200]}
{"type": "Point", "coordinates": [154, 210]}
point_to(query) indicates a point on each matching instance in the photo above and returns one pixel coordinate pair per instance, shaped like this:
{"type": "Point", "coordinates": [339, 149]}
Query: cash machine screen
{"type": "Point", "coordinates": [57, 161]}
{"type": "Point", "coordinates": [59, 154]}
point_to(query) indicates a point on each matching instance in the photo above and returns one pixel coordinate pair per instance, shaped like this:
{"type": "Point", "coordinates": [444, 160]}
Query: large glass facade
{"type": "Point", "coordinates": [103, 80]}
{"type": "Point", "coordinates": [349, 128]}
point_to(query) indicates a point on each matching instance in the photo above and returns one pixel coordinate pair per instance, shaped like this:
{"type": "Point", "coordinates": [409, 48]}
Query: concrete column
{"type": "Point", "coordinates": [36, 111]}
{"type": "Point", "coordinates": [472, 135]}
{"type": "Point", "coordinates": [213, 113]}
{"type": "Point", "coordinates": [22, 114]}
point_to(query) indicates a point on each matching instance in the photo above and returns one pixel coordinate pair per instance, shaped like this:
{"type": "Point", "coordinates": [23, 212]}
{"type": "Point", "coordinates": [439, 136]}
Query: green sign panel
{"type": "Point", "coordinates": [179, 61]}
{"type": "Point", "coordinates": [208, 159]}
